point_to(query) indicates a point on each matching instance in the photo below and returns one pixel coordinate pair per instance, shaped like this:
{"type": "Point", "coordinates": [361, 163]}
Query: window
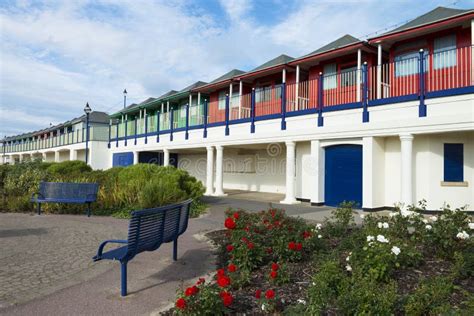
{"type": "Point", "coordinates": [222, 100]}
{"type": "Point", "coordinates": [330, 76]}
{"type": "Point", "coordinates": [349, 76]}
{"type": "Point", "coordinates": [183, 111]}
{"type": "Point", "coordinates": [264, 94]}
{"type": "Point", "coordinates": [444, 52]}
{"type": "Point", "coordinates": [453, 162]}
{"type": "Point", "coordinates": [407, 64]}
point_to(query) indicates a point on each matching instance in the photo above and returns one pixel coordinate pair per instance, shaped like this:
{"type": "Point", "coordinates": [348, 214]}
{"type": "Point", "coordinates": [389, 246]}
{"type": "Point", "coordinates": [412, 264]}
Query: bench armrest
{"type": "Point", "coordinates": [35, 195]}
{"type": "Point", "coordinates": [102, 245]}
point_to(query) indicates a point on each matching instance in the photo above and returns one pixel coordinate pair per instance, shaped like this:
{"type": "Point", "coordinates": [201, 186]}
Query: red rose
{"type": "Point", "coordinates": [232, 267]}
{"type": "Point", "coordinates": [291, 245]}
{"type": "Point", "coordinates": [276, 223]}
{"type": "Point", "coordinates": [306, 235]}
{"type": "Point", "coordinates": [269, 294]}
{"type": "Point", "coordinates": [258, 294]}
{"type": "Point", "coordinates": [269, 250]}
{"type": "Point", "coordinates": [223, 281]}
{"type": "Point", "coordinates": [229, 223]}
{"type": "Point", "coordinates": [275, 266]}
{"type": "Point", "coordinates": [227, 298]}
{"type": "Point", "coordinates": [236, 215]}
{"type": "Point", "coordinates": [273, 213]}
{"type": "Point", "coordinates": [191, 291]}
{"type": "Point", "coordinates": [220, 272]}
{"type": "Point", "coordinates": [230, 248]}
{"type": "Point", "coordinates": [201, 281]}
{"type": "Point", "coordinates": [299, 246]}
{"type": "Point", "coordinates": [273, 274]}
{"type": "Point", "coordinates": [250, 245]}
{"type": "Point", "coordinates": [181, 303]}
{"type": "Point", "coordinates": [244, 239]}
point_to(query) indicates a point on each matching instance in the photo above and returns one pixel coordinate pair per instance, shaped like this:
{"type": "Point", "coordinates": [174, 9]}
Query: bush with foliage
{"type": "Point", "coordinates": [120, 189]}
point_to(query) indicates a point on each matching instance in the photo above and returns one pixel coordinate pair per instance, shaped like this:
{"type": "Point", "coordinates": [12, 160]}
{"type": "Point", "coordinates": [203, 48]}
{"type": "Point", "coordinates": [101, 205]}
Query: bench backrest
{"type": "Point", "coordinates": [69, 190]}
{"type": "Point", "coordinates": [149, 228]}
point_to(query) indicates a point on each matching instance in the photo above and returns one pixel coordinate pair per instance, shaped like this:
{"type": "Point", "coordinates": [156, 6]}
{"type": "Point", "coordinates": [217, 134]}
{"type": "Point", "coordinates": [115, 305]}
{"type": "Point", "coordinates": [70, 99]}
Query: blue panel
{"type": "Point", "coordinates": [122, 159]}
{"type": "Point", "coordinates": [453, 162]}
{"type": "Point", "coordinates": [343, 174]}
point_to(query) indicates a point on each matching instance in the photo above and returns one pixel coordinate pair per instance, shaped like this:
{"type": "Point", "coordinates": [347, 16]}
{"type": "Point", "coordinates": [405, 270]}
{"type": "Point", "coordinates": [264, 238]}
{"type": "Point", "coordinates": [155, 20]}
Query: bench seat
{"type": "Point", "coordinates": [147, 230]}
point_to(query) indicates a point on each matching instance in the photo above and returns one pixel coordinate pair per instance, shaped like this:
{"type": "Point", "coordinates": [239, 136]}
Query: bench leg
{"type": "Point", "coordinates": [123, 266]}
{"type": "Point", "coordinates": [88, 210]}
{"type": "Point", "coordinates": [175, 249]}
{"type": "Point", "coordinates": [38, 207]}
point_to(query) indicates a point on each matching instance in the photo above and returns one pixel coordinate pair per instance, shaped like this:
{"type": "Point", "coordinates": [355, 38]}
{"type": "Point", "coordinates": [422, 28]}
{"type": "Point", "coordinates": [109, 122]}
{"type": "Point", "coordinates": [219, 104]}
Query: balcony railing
{"type": "Point", "coordinates": [415, 77]}
{"type": "Point", "coordinates": [96, 133]}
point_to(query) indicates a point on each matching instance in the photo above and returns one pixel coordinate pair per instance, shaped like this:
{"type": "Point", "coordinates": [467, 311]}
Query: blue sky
{"type": "Point", "coordinates": [58, 55]}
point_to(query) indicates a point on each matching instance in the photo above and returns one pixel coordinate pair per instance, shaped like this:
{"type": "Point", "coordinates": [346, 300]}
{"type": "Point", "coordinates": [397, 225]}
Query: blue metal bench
{"type": "Point", "coordinates": [62, 192]}
{"type": "Point", "coordinates": [147, 230]}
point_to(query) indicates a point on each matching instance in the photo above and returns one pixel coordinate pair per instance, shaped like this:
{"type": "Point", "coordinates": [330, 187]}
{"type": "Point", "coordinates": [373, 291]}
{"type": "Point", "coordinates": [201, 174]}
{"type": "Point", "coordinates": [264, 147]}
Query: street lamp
{"type": "Point", "coordinates": [124, 98]}
{"type": "Point", "coordinates": [87, 110]}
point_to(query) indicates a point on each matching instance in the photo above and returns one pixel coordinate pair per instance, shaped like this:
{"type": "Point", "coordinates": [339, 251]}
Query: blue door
{"type": "Point", "coordinates": [122, 159]}
{"type": "Point", "coordinates": [343, 174]}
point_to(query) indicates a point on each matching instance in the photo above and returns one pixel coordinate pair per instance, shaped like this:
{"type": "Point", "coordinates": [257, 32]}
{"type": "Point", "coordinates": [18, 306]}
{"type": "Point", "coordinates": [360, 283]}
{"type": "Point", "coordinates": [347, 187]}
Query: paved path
{"type": "Point", "coordinates": [46, 266]}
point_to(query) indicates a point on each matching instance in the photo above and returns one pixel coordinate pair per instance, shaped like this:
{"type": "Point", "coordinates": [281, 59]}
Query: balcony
{"type": "Point", "coordinates": [422, 76]}
{"type": "Point", "coordinates": [97, 133]}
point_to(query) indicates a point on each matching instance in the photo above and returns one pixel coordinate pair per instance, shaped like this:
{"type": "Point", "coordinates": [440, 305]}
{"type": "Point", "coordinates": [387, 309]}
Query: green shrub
{"type": "Point", "coordinates": [120, 189]}
{"type": "Point", "coordinates": [431, 297]}
{"type": "Point", "coordinates": [325, 288]}
{"type": "Point", "coordinates": [342, 219]}
{"type": "Point", "coordinates": [364, 296]}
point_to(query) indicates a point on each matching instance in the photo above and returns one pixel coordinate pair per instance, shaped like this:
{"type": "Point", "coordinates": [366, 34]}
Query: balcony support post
{"type": "Point", "coordinates": [297, 88]}
{"type": "Point", "coordinates": [227, 130]}
{"type": "Point", "coordinates": [145, 117]}
{"type": "Point", "coordinates": [126, 125]}
{"type": "Point", "coordinates": [205, 119]}
{"type": "Point", "coordinates": [252, 111]}
{"type": "Point", "coordinates": [365, 113]}
{"type": "Point", "coordinates": [422, 108]}
{"type": "Point", "coordinates": [359, 74]}
{"type": "Point", "coordinates": [186, 134]}
{"type": "Point", "coordinates": [320, 99]}
{"type": "Point", "coordinates": [171, 116]}
{"type": "Point", "coordinates": [241, 90]}
{"type": "Point", "coordinates": [136, 130]}
{"type": "Point", "coordinates": [158, 126]}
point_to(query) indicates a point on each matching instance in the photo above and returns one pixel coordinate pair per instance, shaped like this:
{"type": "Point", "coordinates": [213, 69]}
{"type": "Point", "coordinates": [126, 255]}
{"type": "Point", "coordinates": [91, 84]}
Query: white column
{"type": "Point", "coordinates": [210, 171]}
{"type": "Point", "coordinates": [56, 156]}
{"type": "Point", "coordinates": [162, 107]}
{"type": "Point", "coordinates": [359, 73]}
{"type": "Point", "coordinates": [283, 75]}
{"type": "Point", "coordinates": [44, 157]}
{"type": "Point", "coordinates": [316, 170]}
{"type": "Point", "coordinates": [406, 174]}
{"type": "Point", "coordinates": [166, 157]}
{"type": "Point", "coordinates": [297, 87]}
{"type": "Point", "coordinates": [241, 90]}
{"type": "Point", "coordinates": [199, 98]}
{"type": "Point", "coordinates": [190, 99]}
{"type": "Point", "coordinates": [219, 171]}
{"type": "Point", "coordinates": [73, 154]}
{"type": "Point", "coordinates": [135, 157]}
{"type": "Point", "coordinates": [379, 71]}
{"type": "Point", "coordinates": [20, 157]}
{"type": "Point", "coordinates": [290, 173]}
{"type": "Point", "coordinates": [368, 164]}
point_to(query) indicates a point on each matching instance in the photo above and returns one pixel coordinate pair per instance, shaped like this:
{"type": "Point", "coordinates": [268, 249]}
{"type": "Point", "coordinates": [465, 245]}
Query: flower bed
{"type": "Point", "coordinates": [399, 264]}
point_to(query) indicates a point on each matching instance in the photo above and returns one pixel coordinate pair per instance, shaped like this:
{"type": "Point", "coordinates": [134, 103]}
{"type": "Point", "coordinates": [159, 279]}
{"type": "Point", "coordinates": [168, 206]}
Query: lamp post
{"type": "Point", "coordinates": [87, 110]}
{"type": "Point", "coordinates": [124, 98]}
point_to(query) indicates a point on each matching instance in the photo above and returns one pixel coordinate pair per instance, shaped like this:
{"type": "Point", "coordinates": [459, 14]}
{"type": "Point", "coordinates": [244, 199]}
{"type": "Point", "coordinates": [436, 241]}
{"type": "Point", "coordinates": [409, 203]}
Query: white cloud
{"type": "Point", "coordinates": [56, 55]}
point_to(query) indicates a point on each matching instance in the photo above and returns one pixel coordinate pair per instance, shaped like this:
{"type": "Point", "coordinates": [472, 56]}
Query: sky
{"type": "Point", "coordinates": [57, 55]}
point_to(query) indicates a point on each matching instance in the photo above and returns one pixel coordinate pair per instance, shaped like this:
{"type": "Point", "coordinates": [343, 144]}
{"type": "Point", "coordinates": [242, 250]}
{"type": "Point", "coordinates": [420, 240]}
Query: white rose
{"type": "Point", "coordinates": [385, 225]}
{"type": "Point", "coordinates": [425, 221]}
{"type": "Point", "coordinates": [471, 225]}
{"type": "Point", "coordinates": [379, 225]}
{"type": "Point", "coordinates": [318, 226]}
{"type": "Point", "coordinates": [428, 227]}
{"type": "Point", "coordinates": [320, 236]}
{"type": "Point", "coordinates": [434, 218]}
{"type": "Point", "coordinates": [462, 235]}
{"type": "Point", "coordinates": [370, 238]}
{"type": "Point", "coordinates": [301, 301]}
{"type": "Point", "coordinates": [395, 250]}
{"type": "Point", "coordinates": [348, 258]}
{"type": "Point", "coordinates": [348, 268]}
{"type": "Point", "coordinates": [382, 239]}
